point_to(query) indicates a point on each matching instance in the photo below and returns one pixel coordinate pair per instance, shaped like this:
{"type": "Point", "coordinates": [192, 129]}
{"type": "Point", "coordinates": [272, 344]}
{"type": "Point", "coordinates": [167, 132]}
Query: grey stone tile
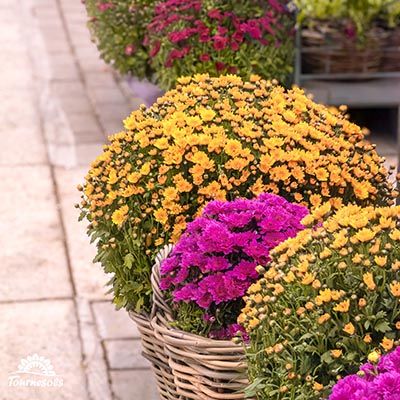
{"type": "Point", "coordinates": [113, 111]}
{"type": "Point", "coordinates": [134, 385]}
{"type": "Point", "coordinates": [104, 79]}
{"type": "Point", "coordinates": [49, 329]}
{"type": "Point", "coordinates": [125, 354]}
{"type": "Point", "coordinates": [113, 324]}
{"type": "Point", "coordinates": [111, 126]}
{"type": "Point", "coordinates": [85, 127]}
{"type": "Point", "coordinates": [108, 96]}
{"type": "Point", "coordinates": [75, 104]}
{"type": "Point", "coordinates": [33, 259]}
{"type": "Point", "coordinates": [87, 152]}
{"type": "Point", "coordinates": [94, 357]}
{"type": "Point", "coordinates": [22, 146]}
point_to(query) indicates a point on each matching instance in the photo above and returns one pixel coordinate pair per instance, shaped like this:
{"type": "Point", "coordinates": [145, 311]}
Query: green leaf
{"type": "Point", "coordinates": [129, 260]}
{"type": "Point", "coordinates": [382, 327]}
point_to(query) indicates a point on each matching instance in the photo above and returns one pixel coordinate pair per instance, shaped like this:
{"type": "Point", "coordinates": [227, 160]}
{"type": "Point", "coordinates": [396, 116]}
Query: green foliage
{"type": "Point", "coordinates": [362, 13]}
{"type": "Point", "coordinates": [330, 297]}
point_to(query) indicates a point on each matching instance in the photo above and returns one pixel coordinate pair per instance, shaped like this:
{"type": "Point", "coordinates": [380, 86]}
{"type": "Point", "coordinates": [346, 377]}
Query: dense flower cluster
{"type": "Point", "coordinates": [118, 28]}
{"type": "Point", "coordinates": [329, 297]}
{"type": "Point", "coordinates": [214, 262]}
{"type": "Point", "coordinates": [217, 139]}
{"type": "Point", "coordinates": [217, 37]}
{"type": "Point", "coordinates": [377, 380]}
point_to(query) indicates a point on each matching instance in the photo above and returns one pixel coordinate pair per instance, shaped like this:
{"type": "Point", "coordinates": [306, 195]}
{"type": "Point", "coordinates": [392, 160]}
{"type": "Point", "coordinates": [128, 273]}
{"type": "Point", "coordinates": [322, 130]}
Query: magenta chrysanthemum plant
{"type": "Point", "coordinates": [375, 381]}
{"type": "Point", "coordinates": [214, 262]}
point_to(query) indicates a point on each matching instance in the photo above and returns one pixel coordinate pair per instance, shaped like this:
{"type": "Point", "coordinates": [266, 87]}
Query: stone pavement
{"type": "Point", "coordinates": [58, 102]}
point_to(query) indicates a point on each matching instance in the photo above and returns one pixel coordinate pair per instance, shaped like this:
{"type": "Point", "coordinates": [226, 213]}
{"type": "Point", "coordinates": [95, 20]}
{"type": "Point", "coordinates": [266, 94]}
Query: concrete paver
{"type": "Point", "coordinates": [113, 324]}
{"type": "Point", "coordinates": [125, 354]}
{"type": "Point", "coordinates": [50, 330]}
{"type": "Point", "coordinates": [133, 385]}
{"type": "Point", "coordinates": [32, 244]}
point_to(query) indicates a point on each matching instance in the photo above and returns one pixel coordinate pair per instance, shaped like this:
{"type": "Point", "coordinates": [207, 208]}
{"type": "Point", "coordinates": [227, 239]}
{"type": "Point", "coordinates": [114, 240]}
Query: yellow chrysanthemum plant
{"type": "Point", "coordinates": [217, 139]}
{"type": "Point", "coordinates": [329, 297]}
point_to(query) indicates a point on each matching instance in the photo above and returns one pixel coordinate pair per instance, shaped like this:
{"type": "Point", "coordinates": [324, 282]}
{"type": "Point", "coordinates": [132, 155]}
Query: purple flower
{"type": "Point", "coordinates": [215, 260]}
{"type": "Point", "coordinates": [351, 387]}
{"type": "Point", "coordinates": [381, 382]}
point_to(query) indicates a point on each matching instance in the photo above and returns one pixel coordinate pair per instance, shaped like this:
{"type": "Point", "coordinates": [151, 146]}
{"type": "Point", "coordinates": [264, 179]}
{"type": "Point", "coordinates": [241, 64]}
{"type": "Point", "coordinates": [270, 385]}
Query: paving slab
{"type": "Point", "coordinates": [49, 329]}
{"type": "Point", "coordinates": [93, 356]}
{"type": "Point", "coordinates": [113, 324]}
{"type": "Point", "coordinates": [89, 278]}
{"type": "Point", "coordinates": [134, 385]}
{"type": "Point", "coordinates": [33, 255]}
{"type": "Point", "coordinates": [125, 354]}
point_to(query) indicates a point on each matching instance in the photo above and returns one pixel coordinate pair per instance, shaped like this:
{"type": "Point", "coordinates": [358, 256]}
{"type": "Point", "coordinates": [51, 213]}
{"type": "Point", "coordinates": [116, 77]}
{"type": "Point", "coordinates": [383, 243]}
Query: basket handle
{"type": "Point", "coordinates": [158, 299]}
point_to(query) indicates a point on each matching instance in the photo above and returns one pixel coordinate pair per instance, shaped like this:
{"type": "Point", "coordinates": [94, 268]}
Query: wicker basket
{"type": "Point", "coordinates": [391, 58]}
{"type": "Point", "coordinates": [326, 49]}
{"type": "Point", "coordinates": [153, 349]}
{"type": "Point", "coordinates": [201, 368]}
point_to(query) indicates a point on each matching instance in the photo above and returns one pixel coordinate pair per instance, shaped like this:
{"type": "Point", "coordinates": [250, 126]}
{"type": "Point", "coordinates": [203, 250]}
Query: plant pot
{"type": "Point", "coordinates": [328, 49]}
{"type": "Point", "coordinates": [201, 368]}
{"type": "Point", "coordinates": [145, 90]}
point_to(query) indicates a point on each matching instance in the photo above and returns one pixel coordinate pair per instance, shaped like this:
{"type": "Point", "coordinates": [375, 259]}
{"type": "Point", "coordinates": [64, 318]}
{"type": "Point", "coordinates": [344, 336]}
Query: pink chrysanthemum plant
{"type": "Point", "coordinates": [215, 261]}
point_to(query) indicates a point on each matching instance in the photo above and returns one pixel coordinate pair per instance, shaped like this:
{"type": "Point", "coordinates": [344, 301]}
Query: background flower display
{"type": "Point", "coordinates": [217, 139]}
{"type": "Point", "coordinates": [357, 17]}
{"type": "Point", "coordinates": [218, 37]}
{"type": "Point", "coordinates": [214, 262]}
{"type": "Point", "coordinates": [329, 298]}
{"type": "Point", "coordinates": [378, 379]}
{"type": "Point", "coordinates": [118, 28]}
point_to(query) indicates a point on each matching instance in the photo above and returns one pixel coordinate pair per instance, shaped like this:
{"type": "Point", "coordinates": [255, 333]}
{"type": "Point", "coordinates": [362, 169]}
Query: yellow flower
{"type": "Point", "coordinates": [367, 338]}
{"type": "Point", "coordinates": [119, 216]}
{"type": "Point", "coordinates": [374, 357]}
{"type": "Point", "coordinates": [365, 235]}
{"type": "Point", "coordinates": [170, 194]}
{"type": "Point", "coordinates": [279, 173]}
{"type": "Point", "coordinates": [395, 288]}
{"type": "Point", "coordinates": [254, 322]}
{"type": "Point", "coordinates": [308, 279]}
{"type": "Point", "coordinates": [343, 306]}
{"type": "Point", "coordinates": [318, 387]}
{"type": "Point", "coordinates": [206, 114]}
{"type": "Point", "coordinates": [380, 261]}
{"type": "Point", "coordinates": [324, 318]}
{"type": "Point", "coordinates": [349, 328]}
{"type": "Point", "coordinates": [161, 216]}
{"type": "Point", "coordinates": [387, 344]}
{"type": "Point", "coordinates": [233, 147]}
{"type": "Point", "coordinates": [336, 353]}
{"type": "Point", "coordinates": [145, 169]}
{"type": "Point", "coordinates": [368, 279]}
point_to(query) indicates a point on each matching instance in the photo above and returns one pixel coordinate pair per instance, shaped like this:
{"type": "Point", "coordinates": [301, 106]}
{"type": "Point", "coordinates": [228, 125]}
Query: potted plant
{"type": "Point", "coordinates": [329, 297]}
{"type": "Point", "coordinates": [118, 28]}
{"type": "Point", "coordinates": [202, 283]}
{"type": "Point", "coordinates": [343, 36]}
{"type": "Point", "coordinates": [219, 37]}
